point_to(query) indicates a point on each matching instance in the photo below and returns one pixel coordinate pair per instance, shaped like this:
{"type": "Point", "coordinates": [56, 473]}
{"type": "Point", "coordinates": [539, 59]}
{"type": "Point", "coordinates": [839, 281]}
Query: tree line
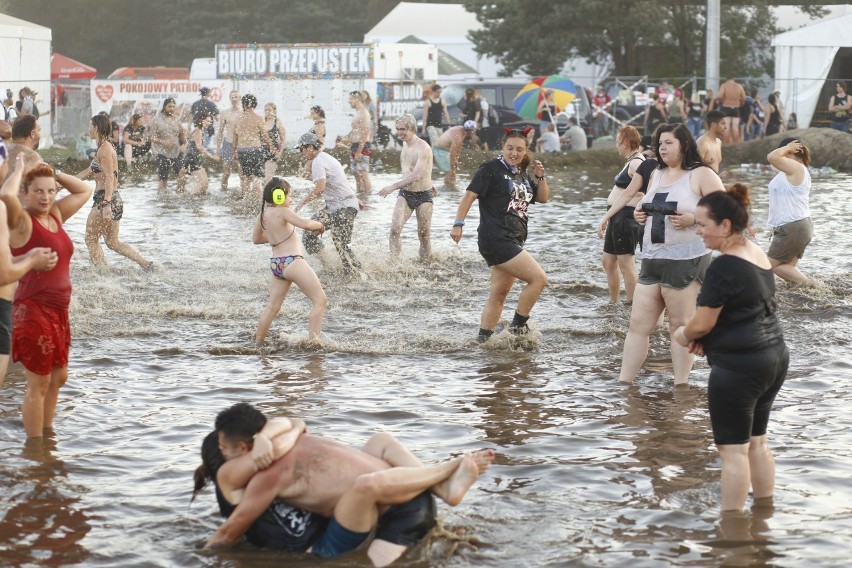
{"type": "Point", "coordinates": [661, 38]}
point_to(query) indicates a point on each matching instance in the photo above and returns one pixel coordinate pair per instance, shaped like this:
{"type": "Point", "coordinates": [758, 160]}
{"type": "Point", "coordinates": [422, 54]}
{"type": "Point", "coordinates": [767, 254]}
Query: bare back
{"type": "Point", "coordinates": [247, 129]}
{"type": "Point", "coordinates": [451, 136]}
{"type": "Point", "coordinates": [317, 471]}
{"type": "Point", "coordinates": [360, 126]}
{"type": "Point", "coordinates": [731, 94]}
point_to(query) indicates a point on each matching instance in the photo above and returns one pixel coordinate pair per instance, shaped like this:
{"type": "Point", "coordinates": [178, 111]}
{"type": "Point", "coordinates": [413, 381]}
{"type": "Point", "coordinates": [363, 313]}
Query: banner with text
{"type": "Point", "coordinates": [294, 61]}
{"type": "Point", "coordinates": [396, 99]}
{"type": "Point", "coordinates": [122, 98]}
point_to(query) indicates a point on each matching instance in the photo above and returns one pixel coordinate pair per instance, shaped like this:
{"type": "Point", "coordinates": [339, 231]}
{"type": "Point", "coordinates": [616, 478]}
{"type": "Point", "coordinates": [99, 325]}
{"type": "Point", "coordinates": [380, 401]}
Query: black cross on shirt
{"type": "Point", "coordinates": [658, 209]}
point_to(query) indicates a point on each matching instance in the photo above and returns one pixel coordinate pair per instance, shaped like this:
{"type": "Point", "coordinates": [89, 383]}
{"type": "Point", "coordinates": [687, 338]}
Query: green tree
{"type": "Point", "coordinates": [637, 36]}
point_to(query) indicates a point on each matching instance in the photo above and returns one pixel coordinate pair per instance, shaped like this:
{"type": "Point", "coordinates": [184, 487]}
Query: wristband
{"type": "Point", "coordinates": [458, 224]}
{"type": "Point", "coordinates": [57, 172]}
{"type": "Point", "coordinates": [541, 178]}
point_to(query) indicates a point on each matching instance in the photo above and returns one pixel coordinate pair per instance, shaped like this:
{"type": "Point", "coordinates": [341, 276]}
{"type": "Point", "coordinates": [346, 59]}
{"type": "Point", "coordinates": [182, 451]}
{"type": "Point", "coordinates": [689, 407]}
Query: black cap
{"type": "Point", "coordinates": [205, 91]}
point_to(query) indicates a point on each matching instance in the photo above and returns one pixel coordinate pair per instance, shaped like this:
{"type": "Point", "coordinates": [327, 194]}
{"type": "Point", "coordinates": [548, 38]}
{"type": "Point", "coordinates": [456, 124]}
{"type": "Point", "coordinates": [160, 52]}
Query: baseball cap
{"type": "Point", "coordinates": [205, 91]}
{"type": "Point", "coordinates": [308, 139]}
{"type": "Point", "coordinates": [469, 125]}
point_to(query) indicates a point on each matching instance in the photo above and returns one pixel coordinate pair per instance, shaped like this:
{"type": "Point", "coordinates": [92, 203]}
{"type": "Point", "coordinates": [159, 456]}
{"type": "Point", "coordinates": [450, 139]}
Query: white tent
{"type": "Point", "coordinates": [803, 59]}
{"type": "Point", "coordinates": [25, 62]}
{"type": "Point", "coordinates": [446, 26]}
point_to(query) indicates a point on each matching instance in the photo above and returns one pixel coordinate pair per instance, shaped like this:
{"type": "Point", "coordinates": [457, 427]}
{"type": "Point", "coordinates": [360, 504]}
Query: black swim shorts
{"type": "Point", "coordinates": [732, 112]}
{"type": "Point", "coordinates": [415, 199]}
{"type": "Point", "coordinates": [677, 274]}
{"type": "Point", "coordinates": [165, 165]}
{"type": "Point", "coordinates": [408, 523]}
{"type": "Point", "coordinates": [252, 161]}
{"type": "Point", "coordinates": [623, 233]}
{"type": "Point", "coordinates": [5, 327]}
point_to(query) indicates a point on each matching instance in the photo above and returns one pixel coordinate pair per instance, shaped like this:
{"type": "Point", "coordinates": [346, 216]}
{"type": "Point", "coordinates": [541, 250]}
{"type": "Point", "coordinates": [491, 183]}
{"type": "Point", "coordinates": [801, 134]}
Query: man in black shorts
{"type": "Point", "coordinates": [415, 189]}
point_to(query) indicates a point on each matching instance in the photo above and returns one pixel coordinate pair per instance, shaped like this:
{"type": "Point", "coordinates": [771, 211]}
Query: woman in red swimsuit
{"type": "Point", "coordinates": [42, 335]}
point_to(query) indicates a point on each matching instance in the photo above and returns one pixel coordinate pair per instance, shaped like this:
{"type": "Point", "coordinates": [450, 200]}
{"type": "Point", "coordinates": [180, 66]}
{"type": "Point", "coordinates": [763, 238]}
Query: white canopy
{"type": "Point", "coordinates": [25, 62]}
{"type": "Point", "coordinates": [803, 59]}
{"type": "Point", "coordinates": [446, 26]}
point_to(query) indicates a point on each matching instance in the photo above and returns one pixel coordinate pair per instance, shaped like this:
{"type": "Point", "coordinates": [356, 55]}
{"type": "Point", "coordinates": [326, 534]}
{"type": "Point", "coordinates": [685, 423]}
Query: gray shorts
{"type": "Point", "coordinates": [789, 241]}
{"type": "Point", "coordinates": [677, 274]}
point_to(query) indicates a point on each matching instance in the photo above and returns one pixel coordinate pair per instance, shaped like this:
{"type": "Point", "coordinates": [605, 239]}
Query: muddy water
{"type": "Point", "coordinates": [589, 473]}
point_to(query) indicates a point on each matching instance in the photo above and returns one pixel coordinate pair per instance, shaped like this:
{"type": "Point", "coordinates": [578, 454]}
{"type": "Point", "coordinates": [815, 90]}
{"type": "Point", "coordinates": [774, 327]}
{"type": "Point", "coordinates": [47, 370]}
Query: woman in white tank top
{"type": "Point", "coordinates": [674, 257]}
{"type": "Point", "coordinates": [789, 213]}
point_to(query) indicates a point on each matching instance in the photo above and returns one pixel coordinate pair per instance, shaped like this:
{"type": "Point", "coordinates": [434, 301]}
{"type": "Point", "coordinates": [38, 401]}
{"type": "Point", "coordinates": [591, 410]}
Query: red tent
{"type": "Point", "coordinates": [62, 67]}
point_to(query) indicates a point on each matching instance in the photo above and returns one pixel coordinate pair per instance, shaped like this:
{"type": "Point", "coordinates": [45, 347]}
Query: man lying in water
{"type": "Point", "coordinates": [353, 488]}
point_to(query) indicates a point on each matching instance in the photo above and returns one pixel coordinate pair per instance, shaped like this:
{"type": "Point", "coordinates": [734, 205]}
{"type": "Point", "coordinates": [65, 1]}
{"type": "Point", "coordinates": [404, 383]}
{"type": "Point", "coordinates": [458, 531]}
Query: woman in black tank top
{"type": "Point", "coordinates": [277, 134]}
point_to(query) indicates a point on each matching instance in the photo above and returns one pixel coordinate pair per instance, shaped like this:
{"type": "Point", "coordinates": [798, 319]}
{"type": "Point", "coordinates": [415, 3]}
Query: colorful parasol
{"type": "Point", "coordinates": [526, 102]}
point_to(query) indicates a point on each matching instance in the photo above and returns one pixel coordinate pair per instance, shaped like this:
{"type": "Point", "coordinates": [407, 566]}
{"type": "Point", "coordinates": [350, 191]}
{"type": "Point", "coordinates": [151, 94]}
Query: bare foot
{"type": "Point", "coordinates": [469, 470]}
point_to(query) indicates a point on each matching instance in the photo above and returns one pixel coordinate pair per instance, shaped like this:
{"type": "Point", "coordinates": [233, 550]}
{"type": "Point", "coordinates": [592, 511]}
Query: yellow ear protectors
{"type": "Point", "coordinates": [278, 196]}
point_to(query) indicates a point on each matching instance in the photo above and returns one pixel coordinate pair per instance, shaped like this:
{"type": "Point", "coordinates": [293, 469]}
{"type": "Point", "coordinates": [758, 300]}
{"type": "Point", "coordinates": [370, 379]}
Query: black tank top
{"type": "Point", "coordinates": [840, 115]}
{"type": "Point", "coordinates": [274, 134]}
{"type": "Point", "coordinates": [280, 527]}
{"type": "Point", "coordinates": [434, 112]}
{"type": "Point", "coordinates": [622, 180]}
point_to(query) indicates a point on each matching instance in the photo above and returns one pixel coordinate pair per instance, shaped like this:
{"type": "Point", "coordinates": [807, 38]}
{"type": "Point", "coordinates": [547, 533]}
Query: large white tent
{"type": "Point", "coordinates": [803, 59]}
{"type": "Point", "coordinates": [25, 62]}
{"type": "Point", "coordinates": [446, 26]}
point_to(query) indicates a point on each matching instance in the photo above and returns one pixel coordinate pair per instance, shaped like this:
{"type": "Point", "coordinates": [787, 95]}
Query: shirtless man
{"type": "Point", "coordinates": [250, 135]}
{"type": "Point", "coordinates": [359, 140]}
{"type": "Point", "coordinates": [225, 138]}
{"type": "Point", "coordinates": [447, 149]}
{"type": "Point", "coordinates": [329, 479]}
{"type": "Point", "coordinates": [166, 133]}
{"type": "Point", "coordinates": [731, 97]}
{"type": "Point", "coordinates": [710, 143]}
{"type": "Point", "coordinates": [415, 189]}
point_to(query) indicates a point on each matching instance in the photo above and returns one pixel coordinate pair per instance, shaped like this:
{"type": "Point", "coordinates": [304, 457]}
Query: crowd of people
{"type": "Point", "coordinates": [668, 197]}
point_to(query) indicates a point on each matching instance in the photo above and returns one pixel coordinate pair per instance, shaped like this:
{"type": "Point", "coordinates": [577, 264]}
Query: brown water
{"type": "Point", "coordinates": [588, 473]}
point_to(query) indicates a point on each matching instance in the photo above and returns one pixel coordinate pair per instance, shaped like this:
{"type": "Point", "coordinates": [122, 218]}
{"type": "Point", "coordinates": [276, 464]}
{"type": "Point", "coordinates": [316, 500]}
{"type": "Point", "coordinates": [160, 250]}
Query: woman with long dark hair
{"type": "Point", "coordinates": [505, 191]}
{"type": "Point", "coordinates": [774, 120]}
{"type": "Point", "coordinates": [276, 225]}
{"type": "Point", "coordinates": [108, 207]}
{"type": "Point", "coordinates": [674, 257]}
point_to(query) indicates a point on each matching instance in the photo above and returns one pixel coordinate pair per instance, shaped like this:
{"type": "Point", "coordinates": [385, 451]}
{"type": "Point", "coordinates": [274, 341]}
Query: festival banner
{"type": "Point", "coordinates": [122, 98]}
{"type": "Point", "coordinates": [294, 61]}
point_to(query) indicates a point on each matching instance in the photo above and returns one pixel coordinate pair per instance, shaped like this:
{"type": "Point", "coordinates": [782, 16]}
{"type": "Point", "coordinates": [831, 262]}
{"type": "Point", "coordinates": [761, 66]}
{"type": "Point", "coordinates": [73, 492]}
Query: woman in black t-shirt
{"type": "Point", "coordinates": [737, 326]}
{"type": "Point", "coordinates": [133, 138]}
{"type": "Point", "coordinates": [505, 191]}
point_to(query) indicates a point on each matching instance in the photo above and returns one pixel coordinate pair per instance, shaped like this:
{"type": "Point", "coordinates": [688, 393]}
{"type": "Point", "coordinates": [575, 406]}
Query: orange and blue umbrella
{"type": "Point", "coordinates": [526, 102]}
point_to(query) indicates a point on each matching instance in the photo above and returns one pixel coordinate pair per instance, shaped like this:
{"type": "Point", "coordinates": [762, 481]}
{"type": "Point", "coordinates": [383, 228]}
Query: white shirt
{"type": "Point", "coordinates": [338, 193]}
{"type": "Point", "coordinates": [550, 142]}
{"type": "Point", "coordinates": [787, 202]}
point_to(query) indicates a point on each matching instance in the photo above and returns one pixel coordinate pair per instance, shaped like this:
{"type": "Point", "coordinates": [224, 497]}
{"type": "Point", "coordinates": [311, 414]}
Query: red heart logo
{"type": "Point", "coordinates": [104, 92]}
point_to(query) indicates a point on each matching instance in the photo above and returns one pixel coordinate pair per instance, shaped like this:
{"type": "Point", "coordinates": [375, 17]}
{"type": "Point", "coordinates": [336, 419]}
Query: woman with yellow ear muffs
{"type": "Point", "coordinates": [276, 225]}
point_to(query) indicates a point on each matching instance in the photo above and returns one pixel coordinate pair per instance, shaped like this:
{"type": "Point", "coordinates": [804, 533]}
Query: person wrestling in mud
{"type": "Point", "coordinates": [384, 486]}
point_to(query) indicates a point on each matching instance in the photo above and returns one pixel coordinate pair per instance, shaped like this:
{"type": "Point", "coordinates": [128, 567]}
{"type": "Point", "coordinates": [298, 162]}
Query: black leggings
{"type": "Point", "coordinates": [742, 389]}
